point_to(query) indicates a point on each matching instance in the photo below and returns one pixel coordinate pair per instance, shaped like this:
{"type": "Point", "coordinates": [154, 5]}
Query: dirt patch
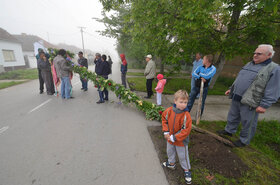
{"type": "Point", "coordinates": [205, 152]}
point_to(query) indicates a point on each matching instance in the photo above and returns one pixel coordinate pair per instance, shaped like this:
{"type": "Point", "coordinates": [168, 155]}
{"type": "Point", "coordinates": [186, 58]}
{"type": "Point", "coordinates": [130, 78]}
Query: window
{"type": "Point", "coordinates": [9, 55]}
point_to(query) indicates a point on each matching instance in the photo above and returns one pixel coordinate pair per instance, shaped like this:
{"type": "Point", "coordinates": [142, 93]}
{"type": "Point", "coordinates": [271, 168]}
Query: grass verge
{"type": "Point", "coordinates": [4, 85]}
{"type": "Point", "coordinates": [20, 74]}
{"type": "Point", "coordinates": [172, 85]}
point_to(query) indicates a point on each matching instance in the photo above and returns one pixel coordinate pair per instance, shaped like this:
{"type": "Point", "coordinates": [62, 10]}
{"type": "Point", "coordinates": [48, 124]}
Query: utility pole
{"type": "Point", "coordinates": [82, 37]}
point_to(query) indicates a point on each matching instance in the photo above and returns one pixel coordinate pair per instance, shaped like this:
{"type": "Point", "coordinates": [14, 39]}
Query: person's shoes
{"type": "Point", "coordinates": [100, 102]}
{"type": "Point", "coordinates": [85, 89]}
{"type": "Point", "coordinates": [106, 99]}
{"type": "Point", "coordinates": [168, 165]}
{"type": "Point", "coordinates": [50, 93]}
{"type": "Point", "coordinates": [238, 143]}
{"type": "Point", "coordinates": [147, 97]}
{"type": "Point", "coordinates": [223, 132]}
{"type": "Point", "coordinates": [72, 97]}
{"type": "Point", "coordinates": [82, 88]}
{"type": "Point", "coordinates": [41, 92]}
{"type": "Point", "coordinates": [188, 177]}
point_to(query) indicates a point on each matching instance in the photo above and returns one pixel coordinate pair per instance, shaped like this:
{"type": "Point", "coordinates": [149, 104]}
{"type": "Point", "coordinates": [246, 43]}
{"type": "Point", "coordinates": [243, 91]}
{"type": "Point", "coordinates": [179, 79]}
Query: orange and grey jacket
{"type": "Point", "coordinates": [177, 123]}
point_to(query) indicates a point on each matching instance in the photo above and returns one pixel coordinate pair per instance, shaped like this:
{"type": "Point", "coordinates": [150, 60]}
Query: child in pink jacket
{"type": "Point", "coordinates": [160, 87]}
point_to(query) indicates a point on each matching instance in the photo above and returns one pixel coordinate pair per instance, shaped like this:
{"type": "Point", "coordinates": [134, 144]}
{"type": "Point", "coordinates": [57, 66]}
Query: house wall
{"type": "Point", "coordinates": [16, 47]}
{"type": "Point", "coordinates": [31, 58]}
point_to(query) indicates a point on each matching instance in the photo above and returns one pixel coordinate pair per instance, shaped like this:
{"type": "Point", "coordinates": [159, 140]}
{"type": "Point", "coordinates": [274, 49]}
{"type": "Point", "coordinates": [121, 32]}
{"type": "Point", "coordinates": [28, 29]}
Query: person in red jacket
{"type": "Point", "coordinates": [176, 125]}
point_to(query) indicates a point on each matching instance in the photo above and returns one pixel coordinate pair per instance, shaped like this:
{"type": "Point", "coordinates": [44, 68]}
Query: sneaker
{"type": "Point", "coordinates": [82, 88]}
{"type": "Point", "coordinates": [106, 99]}
{"type": "Point", "coordinates": [223, 132]}
{"type": "Point", "coordinates": [85, 89]}
{"type": "Point", "coordinates": [41, 92]}
{"type": "Point", "coordinates": [238, 143]}
{"type": "Point", "coordinates": [168, 165]}
{"type": "Point", "coordinates": [188, 177]}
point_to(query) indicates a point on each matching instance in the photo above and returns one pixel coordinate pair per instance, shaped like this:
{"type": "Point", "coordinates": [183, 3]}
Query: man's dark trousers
{"type": "Point", "coordinates": [149, 84]}
{"type": "Point", "coordinates": [41, 81]}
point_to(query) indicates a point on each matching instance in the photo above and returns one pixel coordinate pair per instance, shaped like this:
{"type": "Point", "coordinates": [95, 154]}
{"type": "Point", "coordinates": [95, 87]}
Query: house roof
{"type": "Point", "coordinates": [4, 35]}
{"type": "Point", "coordinates": [28, 41]}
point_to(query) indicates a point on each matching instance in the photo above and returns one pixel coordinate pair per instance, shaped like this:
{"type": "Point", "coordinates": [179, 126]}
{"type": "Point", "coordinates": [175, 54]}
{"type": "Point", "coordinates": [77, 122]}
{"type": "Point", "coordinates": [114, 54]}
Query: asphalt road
{"type": "Point", "coordinates": [49, 141]}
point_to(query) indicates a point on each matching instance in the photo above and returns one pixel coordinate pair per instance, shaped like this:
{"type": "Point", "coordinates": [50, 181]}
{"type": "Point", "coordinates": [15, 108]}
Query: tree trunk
{"type": "Point", "coordinates": [232, 27]}
{"type": "Point", "coordinates": [221, 62]}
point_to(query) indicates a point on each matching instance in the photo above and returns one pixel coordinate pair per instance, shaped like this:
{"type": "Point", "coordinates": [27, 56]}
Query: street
{"type": "Point", "coordinates": [49, 141]}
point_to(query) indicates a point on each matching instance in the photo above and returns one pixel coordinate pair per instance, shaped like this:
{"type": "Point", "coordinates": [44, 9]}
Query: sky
{"type": "Point", "coordinates": [57, 21]}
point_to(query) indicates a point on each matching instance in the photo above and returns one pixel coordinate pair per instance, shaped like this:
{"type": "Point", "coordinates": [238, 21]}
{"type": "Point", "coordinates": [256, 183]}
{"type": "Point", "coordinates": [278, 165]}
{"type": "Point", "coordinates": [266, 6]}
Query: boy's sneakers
{"type": "Point", "coordinates": [188, 177]}
{"type": "Point", "coordinates": [168, 165]}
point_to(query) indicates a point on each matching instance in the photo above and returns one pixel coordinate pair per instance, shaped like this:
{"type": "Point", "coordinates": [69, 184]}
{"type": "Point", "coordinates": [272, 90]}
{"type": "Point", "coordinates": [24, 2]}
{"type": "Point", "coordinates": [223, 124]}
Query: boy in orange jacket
{"type": "Point", "coordinates": [176, 125]}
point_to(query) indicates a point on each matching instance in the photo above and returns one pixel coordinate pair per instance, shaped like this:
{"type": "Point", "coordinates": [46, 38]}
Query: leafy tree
{"type": "Point", "coordinates": [176, 29]}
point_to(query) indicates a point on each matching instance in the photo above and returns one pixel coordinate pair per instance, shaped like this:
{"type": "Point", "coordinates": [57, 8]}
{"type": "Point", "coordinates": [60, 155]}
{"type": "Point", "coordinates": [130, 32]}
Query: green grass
{"type": "Point", "coordinates": [9, 84]}
{"type": "Point", "coordinates": [165, 74]}
{"type": "Point", "coordinates": [172, 85]}
{"type": "Point", "coordinates": [20, 74]}
{"type": "Point", "coordinates": [262, 157]}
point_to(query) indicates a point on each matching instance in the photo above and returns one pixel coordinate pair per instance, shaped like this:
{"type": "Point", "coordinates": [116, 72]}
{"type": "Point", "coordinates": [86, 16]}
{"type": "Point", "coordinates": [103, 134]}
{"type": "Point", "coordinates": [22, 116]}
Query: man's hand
{"type": "Point", "coordinates": [227, 92]}
{"type": "Point", "coordinates": [203, 79]}
{"type": "Point", "coordinates": [260, 109]}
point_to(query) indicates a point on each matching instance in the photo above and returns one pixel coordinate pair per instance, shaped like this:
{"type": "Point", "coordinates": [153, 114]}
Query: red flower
{"type": "Point", "coordinates": [160, 112]}
{"type": "Point", "coordinates": [109, 84]}
{"type": "Point", "coordinates": [95, 86]}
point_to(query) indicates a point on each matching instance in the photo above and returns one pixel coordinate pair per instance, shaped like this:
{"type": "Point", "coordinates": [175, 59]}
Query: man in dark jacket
{"type": "Point", "coordinates": [41, 80]}
{"type": "Point", "coordinates": [103, 70]}
{"type": "Point", "coordinates": [45, 68]}
{"type": "Point", "coordinates": [97, 61]}
{"type": "Point", "coordinates": [82, 61]}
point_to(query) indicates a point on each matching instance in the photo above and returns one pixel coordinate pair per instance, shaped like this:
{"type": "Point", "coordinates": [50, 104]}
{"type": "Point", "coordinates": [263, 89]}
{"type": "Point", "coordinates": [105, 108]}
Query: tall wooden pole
{"type": "Point", "coordinates": [198, 112]}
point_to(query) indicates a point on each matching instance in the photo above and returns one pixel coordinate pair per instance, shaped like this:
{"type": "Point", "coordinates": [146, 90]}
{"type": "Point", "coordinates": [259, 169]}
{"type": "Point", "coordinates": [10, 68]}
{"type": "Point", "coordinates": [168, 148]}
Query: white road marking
{"type": "Point", "coordinates": [3, 129]}
{"type": "Point", "coordinates": [40, 106]}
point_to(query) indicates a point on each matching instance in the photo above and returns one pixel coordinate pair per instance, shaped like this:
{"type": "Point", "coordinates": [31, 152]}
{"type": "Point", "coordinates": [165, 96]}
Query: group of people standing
{"type": "Point", "coordinates": [255, 89]}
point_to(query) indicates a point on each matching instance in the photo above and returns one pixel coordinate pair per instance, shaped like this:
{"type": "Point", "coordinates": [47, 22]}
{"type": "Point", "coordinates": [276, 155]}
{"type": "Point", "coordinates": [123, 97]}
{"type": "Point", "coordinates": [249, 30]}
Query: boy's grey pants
{"type": "Point", "coordinates": [247, 116]}
{"type": "Point", "coordinates": [183, 155]}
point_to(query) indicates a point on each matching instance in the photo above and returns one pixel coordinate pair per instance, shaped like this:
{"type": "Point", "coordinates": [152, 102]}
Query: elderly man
{"type": "Point", "coordinates": [255, 89]}
{"type": "Point", "coordinates": [150, 73]}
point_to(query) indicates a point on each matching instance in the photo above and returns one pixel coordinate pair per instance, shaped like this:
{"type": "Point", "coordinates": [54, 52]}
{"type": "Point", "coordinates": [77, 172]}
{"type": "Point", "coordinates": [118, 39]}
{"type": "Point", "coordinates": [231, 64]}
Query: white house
{"type": "Point", "coordinates": [28, 47]}
{"type": "Point", "coordinates": [11, 56]}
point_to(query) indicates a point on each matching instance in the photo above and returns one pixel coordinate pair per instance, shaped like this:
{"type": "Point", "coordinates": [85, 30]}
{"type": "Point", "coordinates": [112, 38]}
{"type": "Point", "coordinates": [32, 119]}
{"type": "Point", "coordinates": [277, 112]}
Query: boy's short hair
{"type": "Point", "coordinates": [181, 94]}
{"type": "Point", "coordinates": [209, 58]}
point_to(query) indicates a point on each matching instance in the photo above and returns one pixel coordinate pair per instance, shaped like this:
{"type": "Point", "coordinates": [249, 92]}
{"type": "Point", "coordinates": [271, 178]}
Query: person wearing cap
{"type": "Point", "coordinates": [159, 88]}
{"type": "Point", "coordinates": [82, 61]}
{"type": "Point", "coordinates": [123, 69]}
{"type": "Point", "coordinates": [150, 73]}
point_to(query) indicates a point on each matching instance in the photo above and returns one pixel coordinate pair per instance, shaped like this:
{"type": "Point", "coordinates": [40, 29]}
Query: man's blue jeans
{"type": "Point", "coordinates": [84, 83]}
{"type": "Point", "coordinates": [193, 86]}
{"type": "Point", "coordinates": [65, 87]}
{"type": "Point", "coordinates": [194, 93]}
